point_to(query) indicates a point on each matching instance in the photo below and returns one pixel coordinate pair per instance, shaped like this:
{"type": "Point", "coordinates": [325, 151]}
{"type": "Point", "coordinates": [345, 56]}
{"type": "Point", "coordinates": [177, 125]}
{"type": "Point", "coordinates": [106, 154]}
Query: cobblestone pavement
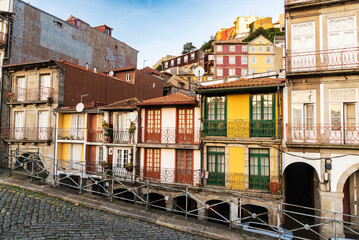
{"type": "Point", "coordinates": [29, 215]}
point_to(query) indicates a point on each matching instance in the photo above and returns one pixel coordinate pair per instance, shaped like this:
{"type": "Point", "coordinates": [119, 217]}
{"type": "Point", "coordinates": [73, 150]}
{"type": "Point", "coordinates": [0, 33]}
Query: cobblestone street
{"type": "Point", "coordinates": [28, 215]}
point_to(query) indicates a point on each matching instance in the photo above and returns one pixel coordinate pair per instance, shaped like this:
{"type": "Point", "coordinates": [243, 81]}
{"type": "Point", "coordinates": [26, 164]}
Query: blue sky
{"type": "Point", "coordinates": [160, 27]}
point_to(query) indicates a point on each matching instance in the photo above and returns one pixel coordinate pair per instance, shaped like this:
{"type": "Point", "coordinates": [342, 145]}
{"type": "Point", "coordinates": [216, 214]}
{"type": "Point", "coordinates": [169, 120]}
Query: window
{"type": "Point", "coordinates": [254, 60]}
{"type": "Point", "coordinates": [253, 49]}
{"type": "Point", "coordinates": [100, 155]}
{"type": "Point", "coordinates": [121, 124]}
{"type": "Point", "coordinates": [253, 71]}
{"type": "Point", "coordinates": [121, 157]}
{"type": "Point", "coordinates": [232, 48]}
{"type": "Point", "coordinates": [166, 64]}
{"type": "Point", "coordinates": [244, 48]}
{"type": "Point", "coordinates": [216, 166]}
{"type": "Point", "coordinates": [185, 58]}
{"type": "Point", "coordinates": [244, 60]}
{"type": "Point", "coordinates": [153, 125]}
{"type": "Point", "coordinates": [45, 87]}
{"type": "Point", "coordinates": [219, 72]}
{"type": "Point", "coordinates": [43, 124]}
{"type": "Point", "coordinates": [75, 156]}
{"type": "Point", "coordinates": [210, 57]}
{"type": "Point", "coordinates": [342, 33]}
{"type": "Point", "coordinates": [303, 114]}
{"type": "Point", "coordinates": [152, 163]}
{"type": "Point", "coordinates": [192, 56]}
{"type": "Point", "coordinates": [260, 49]}
{"type": "Point", "coordinates": [232, 72]}
{"type": "Point", "coordinates": [178, 60]}
{"type": "Point", "coordinates": [215, 108]}
{"type": "Point", "coordinates": [219, 48]}
{"type": "Point", "coordinates": [212, 69]}
{"type": "Point", "coordinates": [184, 166]}
{"type": "Point", "coordinates": [268, 60]}
{"type": "Point", "coordinates": [244, 72]}
{"type": "Point", "coordinates": [232, 60]}
{"type": "Point", "coordinates": [100, 120]}
{"type": "Point", "coordinates": [260, 41]}
{"type": "Point", "coordinates": [262, 115]}
{"type": "Point", "coordinates": [76, 130]}
{"type": "Point", "coordinates": [21, 89]}
{"type": "Point", "coordinates": [185, 125]}
{"type": "Point", "coordinates": [343, 116]}
{"type": "Point", "coordinates": [172, 62]}
{"type": "Point", "coordinates": [303, 37]}
{"type": "Point", "coordinates": [19, 125]}
{"type": "Point", "coordinates": [267, 49]}
{"type": "Point", "coordinates": [259, 168]}
{"type": "Point", "coordinates": [128, 77]}
{"type": "Point", "coordinates": [58, 24]}
{"type": "Point", "coordinates": [219, 60]}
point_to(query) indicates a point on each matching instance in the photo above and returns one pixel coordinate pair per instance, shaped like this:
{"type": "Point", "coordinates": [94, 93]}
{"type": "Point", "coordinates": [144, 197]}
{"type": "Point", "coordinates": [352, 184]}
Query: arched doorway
{"type": "Point", "coordinates": [220, 207]}
{"type": "Point", "coordinates": [301, 193]}
{"type": "Point", "coordinates": [179, 205]}
{"type": "Point", "coordinates": [124, 195]}
{"type": "Point", "coordinates": [157, 201]}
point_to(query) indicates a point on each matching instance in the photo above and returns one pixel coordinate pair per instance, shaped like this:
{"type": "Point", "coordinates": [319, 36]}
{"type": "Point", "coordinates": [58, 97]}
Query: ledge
{"type": "Point", "coordinates": [169, 146]}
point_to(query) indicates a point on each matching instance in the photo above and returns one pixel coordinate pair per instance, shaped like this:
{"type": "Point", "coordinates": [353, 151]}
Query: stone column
{"type": "Point", "coordinates": [331, 201]}
{"type": "Point", "coordinates": [233, 210]}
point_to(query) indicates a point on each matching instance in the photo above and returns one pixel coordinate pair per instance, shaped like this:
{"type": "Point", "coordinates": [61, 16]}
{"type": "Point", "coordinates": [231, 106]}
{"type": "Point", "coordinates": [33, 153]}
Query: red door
{"type": "Point", "coordinates": [153, 163]}
{"type": "Point", "coordinates": [153, 131]}
{"type": "Point", "coordinates": [185, 126]}
{"type": "Point", "coordinates": [184, 166]}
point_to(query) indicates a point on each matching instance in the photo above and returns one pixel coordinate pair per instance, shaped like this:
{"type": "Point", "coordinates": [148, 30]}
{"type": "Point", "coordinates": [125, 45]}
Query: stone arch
{"type": "Point", "coordinates": [344, 176]}
{"type": "Point", "coordinates": [179, 204]}
{"type": "Point", "coordinates": [157, 201]}
{"type": "Point", "coordinates": [221, 207]}
{"type": "Point", "coordinates": [313, 163]}
{"type": "Point", "coordinates": [122, 194]}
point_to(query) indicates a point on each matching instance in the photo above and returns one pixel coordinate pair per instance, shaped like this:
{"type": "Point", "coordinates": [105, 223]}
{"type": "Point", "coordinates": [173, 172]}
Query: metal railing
{"type": "Point", "coordinates": [336, 59]}
{"type": "Point", "coordinates": [323, 134]}
{"type": "Point", "coordinates": [30, 95]}
{"type": "Point", "coordinates": [243, 128]}
{"type": "Point", "coordinates": [114, 136]}
{"type": "Point", "coordinates": [170, 135]}
{"type": "Point", "coordinates": [306, 222]}
{"type": "Point", "coordinates": [70, 134]}
{"type": "Point", "coordinates": [27, 133]}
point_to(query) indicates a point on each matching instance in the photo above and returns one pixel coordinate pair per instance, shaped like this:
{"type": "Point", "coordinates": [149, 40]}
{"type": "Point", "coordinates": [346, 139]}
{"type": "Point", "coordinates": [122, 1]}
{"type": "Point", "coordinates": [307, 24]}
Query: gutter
{"type": "Point", "coordinates": [244, 89]}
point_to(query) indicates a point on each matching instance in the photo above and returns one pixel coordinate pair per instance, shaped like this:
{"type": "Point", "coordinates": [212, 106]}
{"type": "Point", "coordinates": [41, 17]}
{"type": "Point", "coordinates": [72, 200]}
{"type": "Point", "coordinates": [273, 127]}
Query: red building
{"type": "Point", "coordinates": [230, 58]}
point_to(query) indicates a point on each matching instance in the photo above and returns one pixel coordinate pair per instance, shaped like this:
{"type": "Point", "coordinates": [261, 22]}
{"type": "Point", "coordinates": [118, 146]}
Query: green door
{"type": "Point", "coordinates": [259, 169]}
{"type": "Point", "coordinates": [215, 166]}
{"type": "Point", "coordinates": [262, 122]}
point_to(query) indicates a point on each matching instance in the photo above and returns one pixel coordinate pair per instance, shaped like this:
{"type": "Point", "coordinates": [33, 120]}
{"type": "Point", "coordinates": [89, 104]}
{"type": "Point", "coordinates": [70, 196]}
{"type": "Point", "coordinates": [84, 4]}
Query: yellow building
{"type": "Point", "coordinates": [264, 23]}
{"type": "Point", "coordinates": [263, 56]}
{"type": "Point", "coordinates": [242, 135]}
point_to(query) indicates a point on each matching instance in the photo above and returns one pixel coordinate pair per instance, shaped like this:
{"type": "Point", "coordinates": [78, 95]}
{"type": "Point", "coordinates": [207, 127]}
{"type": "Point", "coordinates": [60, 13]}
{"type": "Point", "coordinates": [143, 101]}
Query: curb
{"type": "Point", "coordinates": [165, 221]}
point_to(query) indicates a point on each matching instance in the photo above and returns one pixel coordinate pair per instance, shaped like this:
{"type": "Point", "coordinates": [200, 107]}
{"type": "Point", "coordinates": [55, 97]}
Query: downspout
{"type": "Point", "coordinates": [55, 148]}
{"type": "Point", "coordinates": [201, 142]}
{"type": "Point", "coordinates": [280, 134]}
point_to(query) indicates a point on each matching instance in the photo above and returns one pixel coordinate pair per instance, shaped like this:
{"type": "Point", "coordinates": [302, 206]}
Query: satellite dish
{"type": "Point", "coordinates": [132, 116]}
{"type": "Point", "coordinates": [80, 107]}
{"type": "Point", "coordinates": [198, 71]}
{"type": "Point", "coordinates": [111, 73]}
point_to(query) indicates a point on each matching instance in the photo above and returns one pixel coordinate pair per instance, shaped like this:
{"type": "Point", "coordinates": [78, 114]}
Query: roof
{"type": "Point", "coordinates": [151, 71]}
{"type": "Point", "coordinates": [87, 106]}
{"type": "Point", "coordinates": [230, 41]}
{"type": "Point", "coordinates": [246, 83]}
{"type": "Point", "coordinates": [127, 104]}
{"type": "Point", "coordinates": [173, 99]}
{"type": "Point", "coordinates": [123, 69]}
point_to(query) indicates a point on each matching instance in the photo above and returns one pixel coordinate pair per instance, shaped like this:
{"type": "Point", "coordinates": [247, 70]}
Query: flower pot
{"type": "Point", "coordinates": [274, 187]}
{"type": "Point", "coordinates": [129, 169]}
{"type": "Point", "coordinates": [108, 139]}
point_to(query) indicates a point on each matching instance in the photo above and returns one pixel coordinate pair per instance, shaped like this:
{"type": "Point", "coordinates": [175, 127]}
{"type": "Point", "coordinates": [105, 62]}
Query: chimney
{"type": "Point", "coordinates": [95, 70]}
{"type": "Point", "coordinates": [105, 29]}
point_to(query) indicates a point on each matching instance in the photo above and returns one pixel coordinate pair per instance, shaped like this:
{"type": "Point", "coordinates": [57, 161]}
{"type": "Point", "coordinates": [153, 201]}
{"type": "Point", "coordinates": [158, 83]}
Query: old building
{"type": "Point", "coordinates": [322, 108]}
{"type": "Point", "coordinates": [40, 87]}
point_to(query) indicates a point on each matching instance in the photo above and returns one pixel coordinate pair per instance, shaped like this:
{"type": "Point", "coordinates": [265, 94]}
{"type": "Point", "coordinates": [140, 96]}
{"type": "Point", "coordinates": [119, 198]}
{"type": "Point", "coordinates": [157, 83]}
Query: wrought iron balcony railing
{"type": "Point", "coordinates": [27, 134]}
{"type": "Point", "coordinates": [111, 135]}
{"type": "Point", "coordinates": [243, 128]}
{"type": "Point", "coordinates": [323, 134]}
{"type": "Point", "coordinates": [336, 59]}
{"type": "Point", "coordinates": [170, 135]}
{"type": "Point", "coordinates": [70, 134]}
{"type": "Point", "coordinates": [30, 95]}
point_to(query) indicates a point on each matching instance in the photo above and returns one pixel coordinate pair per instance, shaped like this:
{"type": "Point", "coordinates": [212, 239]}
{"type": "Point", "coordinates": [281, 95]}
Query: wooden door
{"type": "Point", "coordinates": [153, 131]}
{"type": "Point", "coordinates": [153, 163]}
{"type": "Point", "coordinates": [185, 126]}
{"type": "Point", "coordinates": [184, 166]}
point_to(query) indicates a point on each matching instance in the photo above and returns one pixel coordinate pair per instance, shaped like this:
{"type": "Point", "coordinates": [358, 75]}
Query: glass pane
{"type": "Point", "coordinates": [335, 112]}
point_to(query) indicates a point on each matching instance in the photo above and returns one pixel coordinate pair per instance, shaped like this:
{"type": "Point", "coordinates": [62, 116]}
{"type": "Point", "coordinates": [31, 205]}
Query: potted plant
{"type": "Point", "coordinates": [129, 166]}
{"type": "Point", "coordinates": [274, 187]}
{"type": "Point", "coordinates": [104, 165]}
{"type": "Point", "coordinates": [108, 133]}
{"type": "Point", "coordinates": [132, 129]}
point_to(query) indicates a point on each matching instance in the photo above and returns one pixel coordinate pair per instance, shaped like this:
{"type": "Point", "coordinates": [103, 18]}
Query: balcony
{"type": "Point", "coordinates": [115, 136]}
{"type": "Point", "coordinates": [70, 134]}
{"type": "Point", "coordinates": [321, 61]}
{"type": "Point", "coordinates": [239, 181]}
{"type": "Point", "coordinates": [25, 134]}
{"type": "Point", "coordinates": [323, 135]}
{"type": "Point", "coordinates": [170, 135]}
{"type": "Point", "coordinates": [243, 128]}
{"type": "Point", "coordinates": [28, 96]}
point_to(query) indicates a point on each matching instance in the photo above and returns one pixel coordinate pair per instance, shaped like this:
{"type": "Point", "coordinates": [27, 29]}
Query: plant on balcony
{"type": "Point", "coordinates": [129, 166]}
{"type": "Point", "coordinates": [107, 130]}
{"type": "Point", "coordinates": [132, 129]}
{"type": "Point", "coordinates": [274, 187]}
{"type": "Point", "coordinates": [104, 165]}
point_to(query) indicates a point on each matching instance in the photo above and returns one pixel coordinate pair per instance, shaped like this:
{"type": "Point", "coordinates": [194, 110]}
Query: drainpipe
{"type": "Point", "coordinates": [55, 147]}
{"type": "Point", "coordinates": [280, 133]}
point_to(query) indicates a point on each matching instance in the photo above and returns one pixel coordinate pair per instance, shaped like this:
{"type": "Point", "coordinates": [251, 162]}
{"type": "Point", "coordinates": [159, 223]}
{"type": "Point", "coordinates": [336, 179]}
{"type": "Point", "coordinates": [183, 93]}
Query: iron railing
{"type": "Point", "coordinates": [170, 135]}
{"type": "Point", "coordinates": [27, 133]}
{"type": "Point", "coordinates": [113, 136]}
{"type": "Point", "coordinates": [336, 59]}
{"type": "Point", "coordinates": [243, 128]}
{"type": "Point", "coordinates": [235, 209]}
{"type": "Point", "coordinates": [30, 95]}
{"type": "Point", "coordinates": [323, 134]}
{"type": "Point", "coordinates": [70, 134]}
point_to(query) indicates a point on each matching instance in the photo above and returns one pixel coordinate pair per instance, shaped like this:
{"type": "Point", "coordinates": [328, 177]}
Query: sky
{"type": "Point", "coordinates": [157, 28]}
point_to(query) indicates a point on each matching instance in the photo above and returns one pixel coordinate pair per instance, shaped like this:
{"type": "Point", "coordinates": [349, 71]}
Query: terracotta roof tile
{"type": "Point", "coordinates": [87, 106]}
{"type": "Point", "coordinates": [173, 99]}
{"type": "Point", "coordinates": [129, 103]}
{"type": "Point", "coordinates": [246, 83]}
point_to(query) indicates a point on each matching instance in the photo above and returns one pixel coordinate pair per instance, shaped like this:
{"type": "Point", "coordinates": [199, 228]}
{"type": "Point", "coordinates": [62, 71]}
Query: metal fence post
{"type": "Point", "coordinates": [32, 167]}
{"type": "Point", "coordinates": [112, 185]}
{"type": "Point", "coordinates": [279, 220]}
{"type": "Point", "coordinates": [148, 195]}
{"type": "Point", "coordinates": [335, 226]}
{"type": "Point", "coordinates": [55, 171]}
{"type": "Point", "coordinates": [81, 177]}
{"type": "Point", "coordinates": [186, 211]}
